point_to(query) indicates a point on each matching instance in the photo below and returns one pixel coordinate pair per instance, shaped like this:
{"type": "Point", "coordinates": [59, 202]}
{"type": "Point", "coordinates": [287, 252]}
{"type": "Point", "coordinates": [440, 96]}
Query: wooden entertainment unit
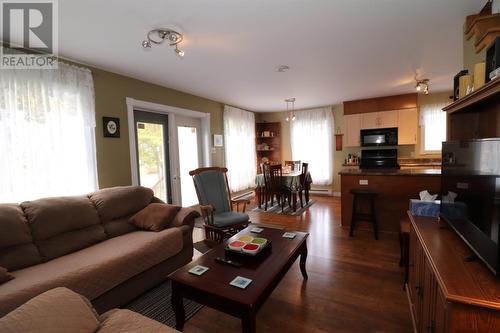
{"type": "Point", "coordinates": [447, 293]}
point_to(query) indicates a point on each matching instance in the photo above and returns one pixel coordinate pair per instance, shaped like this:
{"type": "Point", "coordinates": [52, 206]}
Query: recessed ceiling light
{"type": "Point", "coordinates": [283, 68]}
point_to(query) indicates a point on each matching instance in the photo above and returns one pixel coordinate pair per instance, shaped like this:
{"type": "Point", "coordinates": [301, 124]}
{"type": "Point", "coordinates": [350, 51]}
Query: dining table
{"type": "Point", "coordinates": [291, 180]}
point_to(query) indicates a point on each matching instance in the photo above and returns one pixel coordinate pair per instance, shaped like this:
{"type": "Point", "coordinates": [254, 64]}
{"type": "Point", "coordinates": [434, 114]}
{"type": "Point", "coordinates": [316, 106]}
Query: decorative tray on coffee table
{"type": "Point", "coordinates": [248, 246]}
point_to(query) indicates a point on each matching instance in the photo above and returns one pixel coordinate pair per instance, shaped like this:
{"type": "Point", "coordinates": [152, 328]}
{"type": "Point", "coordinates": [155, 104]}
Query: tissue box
{"type": "Point", "coordinates": [425, 208]}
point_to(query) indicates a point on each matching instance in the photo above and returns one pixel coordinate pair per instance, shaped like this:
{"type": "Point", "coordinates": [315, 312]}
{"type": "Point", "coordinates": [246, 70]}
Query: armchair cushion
{"type": "Point", "coordinates": [228, 219]}
{"type": "Point", "coordinates": [212, 189]}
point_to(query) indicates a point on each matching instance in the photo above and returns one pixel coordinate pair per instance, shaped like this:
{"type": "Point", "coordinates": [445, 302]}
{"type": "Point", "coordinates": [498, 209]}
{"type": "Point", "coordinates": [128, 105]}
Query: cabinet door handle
{"type": "Point", "coordinates": [419, 290]}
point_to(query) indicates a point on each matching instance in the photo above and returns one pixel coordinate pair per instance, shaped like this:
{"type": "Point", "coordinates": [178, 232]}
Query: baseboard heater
{"type": "Point", "coordinates": [247, 195]}
{"type": "Point", "coordinates": [321, 191]}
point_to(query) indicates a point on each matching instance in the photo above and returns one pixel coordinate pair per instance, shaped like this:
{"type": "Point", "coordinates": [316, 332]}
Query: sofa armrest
{"type": "Point", "coordinates": [185, 216]}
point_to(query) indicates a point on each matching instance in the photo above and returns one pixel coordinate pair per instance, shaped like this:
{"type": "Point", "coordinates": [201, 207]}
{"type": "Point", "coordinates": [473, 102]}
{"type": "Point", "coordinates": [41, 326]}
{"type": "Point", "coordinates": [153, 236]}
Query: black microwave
{"type": "Point", "coordinates": [379, 137]}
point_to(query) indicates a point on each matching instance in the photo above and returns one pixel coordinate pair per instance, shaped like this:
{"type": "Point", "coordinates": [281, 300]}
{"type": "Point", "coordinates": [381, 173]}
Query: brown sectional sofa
{"type": "Point", "coordinates": [86, 244]}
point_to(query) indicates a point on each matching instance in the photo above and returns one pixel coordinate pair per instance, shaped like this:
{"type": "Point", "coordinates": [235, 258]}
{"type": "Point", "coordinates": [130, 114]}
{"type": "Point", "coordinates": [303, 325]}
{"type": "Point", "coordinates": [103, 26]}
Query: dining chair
{"type": "Point", "coordinates": [276, 187]}
{"type": "Point", "coordinates": [262, 189]}
{"type": "Point", "coordinates": [304, 185]}
{"type": "Point", "coordinates": [295, 165]}
{"type": "Point", "coordinates": [221, 219]}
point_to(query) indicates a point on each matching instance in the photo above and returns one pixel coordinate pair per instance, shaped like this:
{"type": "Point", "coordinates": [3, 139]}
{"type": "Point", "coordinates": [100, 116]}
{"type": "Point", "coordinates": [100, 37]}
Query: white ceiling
{"type": "Point", "coordinates": [337, 50]}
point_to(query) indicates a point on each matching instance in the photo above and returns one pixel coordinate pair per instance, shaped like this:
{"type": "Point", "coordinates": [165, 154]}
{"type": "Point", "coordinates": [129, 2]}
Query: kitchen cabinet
{"type": "Point", "coordinates": [384, 119]}
{"type": "Point", "coordinates": [406, 120]}
{"type": "Point", "coordinates": [407, 126]}
{"type": "Point", "coordinates": [352, 126]}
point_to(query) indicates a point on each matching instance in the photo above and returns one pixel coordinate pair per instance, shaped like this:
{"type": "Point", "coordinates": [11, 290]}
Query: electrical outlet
{"type": "Point", "coordinates": [363, 182]}
{"type": "Point", "coordinates": [463, 186]}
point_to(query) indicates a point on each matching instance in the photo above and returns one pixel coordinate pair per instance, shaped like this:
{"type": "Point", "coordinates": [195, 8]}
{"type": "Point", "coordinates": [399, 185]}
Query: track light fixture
{"type": "Point", "coordinates": [422, 85]}
{"type": "Point", "coordinates": [290, 112]}
{"type": "Point", "coordinates": [158, 36]}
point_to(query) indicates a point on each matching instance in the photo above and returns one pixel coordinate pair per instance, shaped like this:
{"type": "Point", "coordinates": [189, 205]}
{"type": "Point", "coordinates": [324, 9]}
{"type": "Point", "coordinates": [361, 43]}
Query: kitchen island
{"type": "Point", "coordinates": [395, 188]}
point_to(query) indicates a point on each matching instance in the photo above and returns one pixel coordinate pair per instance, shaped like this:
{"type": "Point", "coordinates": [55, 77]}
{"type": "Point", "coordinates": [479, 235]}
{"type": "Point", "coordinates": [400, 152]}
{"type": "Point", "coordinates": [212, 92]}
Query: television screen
{"type": "Point", "coordinates": [470, 198]}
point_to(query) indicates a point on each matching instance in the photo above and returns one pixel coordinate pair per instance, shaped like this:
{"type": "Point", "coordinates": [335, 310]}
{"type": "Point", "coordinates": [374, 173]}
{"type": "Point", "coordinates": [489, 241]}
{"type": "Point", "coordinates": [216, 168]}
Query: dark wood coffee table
{"type": "Point", "coordinates": [212, 288]}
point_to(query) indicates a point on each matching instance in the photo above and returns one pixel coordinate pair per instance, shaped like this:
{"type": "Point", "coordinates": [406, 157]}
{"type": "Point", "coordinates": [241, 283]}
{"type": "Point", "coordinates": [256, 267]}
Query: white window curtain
{"type": "Point", "coordinates": [239, 142]}
{"type": "Point", "coordinates": [47, 139]}
{"type": "Point", "coordinates": [312, 142]}
{"type": "Point", "coordinates": [433, 124]}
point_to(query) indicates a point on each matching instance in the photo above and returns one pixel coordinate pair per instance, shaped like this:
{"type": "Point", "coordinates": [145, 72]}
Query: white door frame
{"type": "Point", "coordinates": [171, 111]}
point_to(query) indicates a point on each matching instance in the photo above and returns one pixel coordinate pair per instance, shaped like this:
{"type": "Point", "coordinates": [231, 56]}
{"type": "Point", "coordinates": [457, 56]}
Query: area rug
{"type": "Point", "coordinates": [155, 304]}
{"type": "Point", "coordinates": [276, 209]}
{"type": "Point", "coordinates": [204, 246]}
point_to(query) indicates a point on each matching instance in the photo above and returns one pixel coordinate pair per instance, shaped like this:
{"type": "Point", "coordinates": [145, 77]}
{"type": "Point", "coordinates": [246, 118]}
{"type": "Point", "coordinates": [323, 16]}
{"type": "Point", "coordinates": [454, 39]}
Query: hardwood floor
{"type": "Point", "coordinates": [354, 285]}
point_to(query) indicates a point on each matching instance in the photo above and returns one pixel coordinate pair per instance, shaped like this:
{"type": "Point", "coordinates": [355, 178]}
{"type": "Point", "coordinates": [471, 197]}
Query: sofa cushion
{"type": "Point", "coordinates": [118, 227]}
{"type": "Point", "coordinates": [63, 225]}
{"type": "Point", "coordinates": [155, 216]}
{"type": "Point", "coordinates": [4, 275]}
{"type": "Point", "coordinates": [16, 244]}
{"type": "Point", "coordinates": [114, 204]}
{"type": "Point", "coordinates": [57, 310]}
{"type": "Point", "coordinates": [94, 270]}
{"type": "Point", "coordinates": [126, 321]}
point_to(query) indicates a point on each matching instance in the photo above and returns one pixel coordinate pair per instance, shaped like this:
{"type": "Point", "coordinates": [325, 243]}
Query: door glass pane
{"type": "Point", "coordinates": [188, 160]}
{"type": "Point", "coordinates": [151, 151]}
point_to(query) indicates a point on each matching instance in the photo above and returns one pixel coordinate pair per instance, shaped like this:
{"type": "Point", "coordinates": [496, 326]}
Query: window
{"type": "Point", "coordinates": [312, 142]}
{"type": "Point", "coordinates": [47, 143]}
{"type": "Point", "coordinates": [433, 127]}
{"type": "Point", "coordinates": [239, 135]}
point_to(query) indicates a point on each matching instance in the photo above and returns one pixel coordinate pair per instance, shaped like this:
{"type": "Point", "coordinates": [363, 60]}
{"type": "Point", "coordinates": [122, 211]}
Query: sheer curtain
{"type": "Point", "coordinates": [433, 123]}
{"type": "Point", "coordinates": [312, 141]}
{"type": "Point", "coordinates": [239, 142]}
{"type": "Point", "coordinates": [47, 140]}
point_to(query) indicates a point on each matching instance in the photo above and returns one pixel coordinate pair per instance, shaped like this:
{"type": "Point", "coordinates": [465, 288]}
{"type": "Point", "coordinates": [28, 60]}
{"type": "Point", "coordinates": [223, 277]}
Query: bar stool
{"type": "Point", "coordinates": [359, 216]}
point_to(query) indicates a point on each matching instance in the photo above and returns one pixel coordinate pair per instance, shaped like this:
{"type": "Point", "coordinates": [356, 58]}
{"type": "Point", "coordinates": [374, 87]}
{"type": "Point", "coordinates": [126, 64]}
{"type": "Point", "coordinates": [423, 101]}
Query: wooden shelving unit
{"type": "Point", "coordinates": [268, 135]}
{"type": "Point", "coordinates": [477, 115]}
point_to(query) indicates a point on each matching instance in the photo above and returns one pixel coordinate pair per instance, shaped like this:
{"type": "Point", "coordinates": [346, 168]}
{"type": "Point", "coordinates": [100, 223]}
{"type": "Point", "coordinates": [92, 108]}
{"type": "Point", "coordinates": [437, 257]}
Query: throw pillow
{"type": "Point", "coordinates": [5, 276]}
{"type": "Point", "coordinates": [155, 216]}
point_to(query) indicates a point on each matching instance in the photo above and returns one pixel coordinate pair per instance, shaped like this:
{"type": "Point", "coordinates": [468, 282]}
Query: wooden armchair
{"type": "Point", "coordinates": [221, 215]}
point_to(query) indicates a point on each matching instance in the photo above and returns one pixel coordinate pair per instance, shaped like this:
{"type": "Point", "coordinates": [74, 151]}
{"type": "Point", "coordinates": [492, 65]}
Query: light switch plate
{"type": "Point", "coordinates": [363, 182]}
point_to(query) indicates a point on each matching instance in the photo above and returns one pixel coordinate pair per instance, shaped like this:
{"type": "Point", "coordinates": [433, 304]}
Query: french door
{"type": "Point", "coordinates": [152, 148]}
{"type": "Point", "coordinates": [190, 156]}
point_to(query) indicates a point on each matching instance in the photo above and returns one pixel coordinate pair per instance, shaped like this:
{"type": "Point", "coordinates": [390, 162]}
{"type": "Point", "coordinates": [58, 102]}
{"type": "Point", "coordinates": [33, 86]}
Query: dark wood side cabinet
{"type": "Point", "coordinates": [475, 116]}
{"type": "Point", "coordinates": [446, 293]}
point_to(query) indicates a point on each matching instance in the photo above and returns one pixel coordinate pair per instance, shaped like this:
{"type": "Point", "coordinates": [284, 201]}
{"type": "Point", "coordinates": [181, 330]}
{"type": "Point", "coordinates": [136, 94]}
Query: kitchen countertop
{"type": "Point", "coordinates": [391, 172]}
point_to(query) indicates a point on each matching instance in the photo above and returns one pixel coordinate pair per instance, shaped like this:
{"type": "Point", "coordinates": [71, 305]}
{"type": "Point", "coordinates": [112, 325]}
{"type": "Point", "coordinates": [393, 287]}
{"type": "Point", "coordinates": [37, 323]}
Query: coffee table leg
{"type": "Point", "coordinates": [303, 258]}
{"type": "Point", "coordinates": [248, 323]}
{"type": "Point", "coordinates": [178, 306]}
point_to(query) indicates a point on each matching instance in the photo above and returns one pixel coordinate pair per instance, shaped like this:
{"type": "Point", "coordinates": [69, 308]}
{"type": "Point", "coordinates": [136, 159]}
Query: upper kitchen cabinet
{"type": "Point", "coordinates": [407, 126]}
{"type": "Point", "coordinates": [352, 126]}
{"type": "Point", "coordinates": [372, 113]}
{"type": "Point", "coordinates": [383, 119]}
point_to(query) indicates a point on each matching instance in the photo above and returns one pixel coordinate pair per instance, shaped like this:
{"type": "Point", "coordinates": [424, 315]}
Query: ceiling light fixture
{"type": "Point", "coordinates": [422, 85]}
{"type": "Point", "coordinates": [290, 112]}
{"type": "Point", "coordinates": [283, 68]}
{"type": "Point", "coordinates": [158, 36]}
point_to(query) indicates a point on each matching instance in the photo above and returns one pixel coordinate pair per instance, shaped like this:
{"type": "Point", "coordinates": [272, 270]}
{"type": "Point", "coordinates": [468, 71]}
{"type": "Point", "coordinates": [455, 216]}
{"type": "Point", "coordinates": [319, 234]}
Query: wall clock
{"type": "Point", "coordinates": [111, 127]}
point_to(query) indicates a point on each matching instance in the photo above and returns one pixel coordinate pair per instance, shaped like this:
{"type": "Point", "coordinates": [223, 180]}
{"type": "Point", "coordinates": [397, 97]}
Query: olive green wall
{"type": "Point", "coordinates": [470, 56]}
{"type": "Point", "coordinates": [113, 155]}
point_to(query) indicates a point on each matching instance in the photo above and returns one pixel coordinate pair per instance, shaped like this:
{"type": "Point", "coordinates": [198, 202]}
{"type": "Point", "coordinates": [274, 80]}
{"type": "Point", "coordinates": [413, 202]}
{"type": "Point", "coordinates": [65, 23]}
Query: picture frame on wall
{"type": "Point", "coordinates": [111, 127]}
{"type": "Point", "coordinates": [218, 140]}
